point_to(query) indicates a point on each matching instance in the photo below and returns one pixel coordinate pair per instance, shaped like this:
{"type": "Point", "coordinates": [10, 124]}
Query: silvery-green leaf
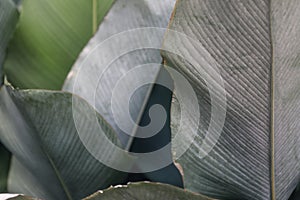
{"type": "Point", "coordinates": [49, 38]}
{"type": "Point", "coordinates": [146, 191]}
{"type": "Point", "coordinates": [8, 20]}
{"type": "Point", "coordinates": [51, 161]}
{"type": "Point", "coordinates": [124, 15]}
{"type": "Point", "coordinates": [253, 47]}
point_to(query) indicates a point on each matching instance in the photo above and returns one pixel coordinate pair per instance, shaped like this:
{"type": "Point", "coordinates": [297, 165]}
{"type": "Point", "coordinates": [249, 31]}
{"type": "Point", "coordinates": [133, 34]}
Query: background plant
{"type": "Point", "coordinates": [255, 46]}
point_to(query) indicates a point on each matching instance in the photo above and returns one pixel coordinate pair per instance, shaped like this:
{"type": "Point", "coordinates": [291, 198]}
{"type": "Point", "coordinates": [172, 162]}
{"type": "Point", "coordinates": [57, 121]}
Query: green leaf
{"type": "Point", "coordinates": [255, 48]}
{"type": "Point", "coordinates": [146, 191]}
{"type": "Point", "coordinates": [123, 16]}
{"type": "Point", "coordinates": [120, 54]}
{"type": "Point", "coordinates": [49, 37]}
{"type": "Point", "coordinates": [8, 20]}
{"type": "Point", "coordinates": [50, 160]}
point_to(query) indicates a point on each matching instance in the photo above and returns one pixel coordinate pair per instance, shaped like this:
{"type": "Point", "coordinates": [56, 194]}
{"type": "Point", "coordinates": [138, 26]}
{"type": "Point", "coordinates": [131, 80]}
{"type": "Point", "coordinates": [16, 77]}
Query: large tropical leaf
{"type": "Point", "coordinates": [49, 37]}
{"type": "Point", "coordinates": [106, 60]}
{"type": "Point", "coordinates": [95, 81]}
{"type": "Point", "coordinates": [8, 21]}
{"type": "Point", "coordinates": [51, 161]}
{"type": "Point", "coordinates": [146, 191]}
{"type": "Point", "coordinates": [253, 45]}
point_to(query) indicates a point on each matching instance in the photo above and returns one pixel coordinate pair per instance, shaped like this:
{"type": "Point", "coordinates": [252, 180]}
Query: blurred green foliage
{"type": "Point", "coordinates": [49, 37]}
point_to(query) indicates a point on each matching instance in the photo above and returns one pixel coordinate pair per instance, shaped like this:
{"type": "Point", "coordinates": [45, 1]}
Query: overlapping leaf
{"type": "Point", "coordinates": [254, 46]}
{"type": "Point", "coordinates": [50, 161]}
{"type": "Point", "coordinates": [96, 77]}
{"type": "Point", "coordinates": [108, 58]}
{"type": "Point", "coordinates": [8, 20]}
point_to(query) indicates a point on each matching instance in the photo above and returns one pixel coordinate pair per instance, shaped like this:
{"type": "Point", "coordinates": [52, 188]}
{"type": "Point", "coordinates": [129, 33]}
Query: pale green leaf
{"type": "Point", "coordinates": [49, 37]}
{"type": "Point", "coordinates": [254, 44]}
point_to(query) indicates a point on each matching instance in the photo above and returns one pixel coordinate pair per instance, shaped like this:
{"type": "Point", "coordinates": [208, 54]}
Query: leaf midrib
{"type": "Point", "coordinates": [272, 106]}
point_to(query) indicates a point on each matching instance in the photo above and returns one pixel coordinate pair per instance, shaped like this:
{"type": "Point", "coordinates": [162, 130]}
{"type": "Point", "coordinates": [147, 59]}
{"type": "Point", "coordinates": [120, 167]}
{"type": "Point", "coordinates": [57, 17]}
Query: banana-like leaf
{"type": "Point", "coordinates": [248, 50]}
{"type": "Point", "coordinates": [8, 20]}
{"type": "Point", "coordinates": [95, 81]}
{"type": "Point", "coordinates": [49, 37]}
{"type": "Point", "coordinates": [146, 191]}
{"type": "Point", "coordinates": [51, 161]}
{"type": "Point", "coordinates": [106, 60]}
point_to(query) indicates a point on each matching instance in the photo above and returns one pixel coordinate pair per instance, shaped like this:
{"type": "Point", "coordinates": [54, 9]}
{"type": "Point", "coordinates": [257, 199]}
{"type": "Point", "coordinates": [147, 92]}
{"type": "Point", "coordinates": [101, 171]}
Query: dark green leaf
{"type": "Point", "coordinates": [51, 161]}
